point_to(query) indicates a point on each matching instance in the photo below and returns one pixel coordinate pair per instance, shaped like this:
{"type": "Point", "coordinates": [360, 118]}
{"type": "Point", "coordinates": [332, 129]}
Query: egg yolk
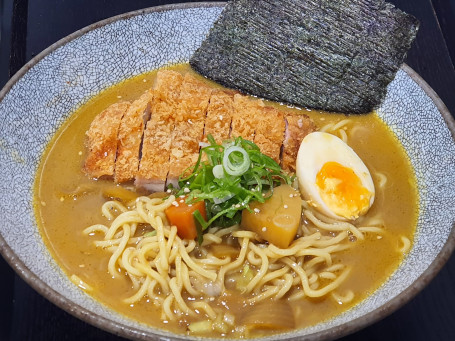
{"type": "Point", "coordinates": [342, 190]}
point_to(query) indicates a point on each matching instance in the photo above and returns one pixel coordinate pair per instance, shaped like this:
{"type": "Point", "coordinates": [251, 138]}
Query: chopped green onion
{"type": "Point", "coordinates": [244, 278]}
{"type": "Point", "coordinates": [235, 174]}
{"type": "Point", "coordinates": [200, 225]}
{"type": "Point", "coordinates": [150, 234]}
{"type": "Point", "coordinates": [240, 164]}
{"type": "Point", "coordinates": [218, 171]}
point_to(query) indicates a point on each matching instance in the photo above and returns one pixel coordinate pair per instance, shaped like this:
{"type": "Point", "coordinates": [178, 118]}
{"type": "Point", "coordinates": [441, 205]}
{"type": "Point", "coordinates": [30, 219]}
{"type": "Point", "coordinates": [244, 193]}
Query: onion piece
{"type": "Point", "coordinates": [119, 192]}
{"type": "Point", "coordinates": [200, 327]}
{"type": "Point", "coordinates": [276, 315]}
{"type": "Point", "coordinates": [224, 250]}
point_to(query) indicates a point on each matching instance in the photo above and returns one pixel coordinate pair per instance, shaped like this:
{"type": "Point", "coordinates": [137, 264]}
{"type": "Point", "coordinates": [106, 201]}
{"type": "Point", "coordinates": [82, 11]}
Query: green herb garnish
{"type": "Point", "coordinates": [228, 177]}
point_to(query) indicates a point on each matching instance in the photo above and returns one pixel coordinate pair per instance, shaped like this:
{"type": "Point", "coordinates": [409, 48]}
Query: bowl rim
{"type": "Point", "coordinates": [131, 332]}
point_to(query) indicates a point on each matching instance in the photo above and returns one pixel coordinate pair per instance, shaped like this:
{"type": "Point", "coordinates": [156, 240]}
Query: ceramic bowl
{"type": "Point", "coordinates": [45, 92]}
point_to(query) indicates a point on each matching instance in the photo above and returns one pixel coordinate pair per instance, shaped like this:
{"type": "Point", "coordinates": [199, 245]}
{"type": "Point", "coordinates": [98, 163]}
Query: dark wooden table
{"type": "Point", "coordinates": [28, 27]}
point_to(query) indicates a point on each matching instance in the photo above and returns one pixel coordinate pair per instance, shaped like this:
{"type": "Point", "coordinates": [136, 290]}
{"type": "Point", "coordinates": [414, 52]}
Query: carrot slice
{"type": "Point", "coordinates": [181, 215]}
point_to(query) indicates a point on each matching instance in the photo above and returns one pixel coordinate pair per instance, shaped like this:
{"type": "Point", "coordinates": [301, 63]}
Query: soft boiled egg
{"type": "Point", "coordinates": [333, 178]}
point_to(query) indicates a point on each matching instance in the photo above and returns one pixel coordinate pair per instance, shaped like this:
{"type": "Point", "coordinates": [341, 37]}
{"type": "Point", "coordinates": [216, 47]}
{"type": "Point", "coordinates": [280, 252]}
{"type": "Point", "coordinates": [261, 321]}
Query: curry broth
{"type": "Point", "coordinates": [62, 216]}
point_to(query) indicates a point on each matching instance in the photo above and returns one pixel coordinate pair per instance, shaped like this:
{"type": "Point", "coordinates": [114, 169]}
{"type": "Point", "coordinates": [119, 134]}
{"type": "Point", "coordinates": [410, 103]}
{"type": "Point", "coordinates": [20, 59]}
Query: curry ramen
{"type": "Point", "coordinates": [268, 266]}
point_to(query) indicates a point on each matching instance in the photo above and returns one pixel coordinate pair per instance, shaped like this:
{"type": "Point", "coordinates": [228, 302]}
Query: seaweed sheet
{"type": "Point", "coordinates": [336, 55]}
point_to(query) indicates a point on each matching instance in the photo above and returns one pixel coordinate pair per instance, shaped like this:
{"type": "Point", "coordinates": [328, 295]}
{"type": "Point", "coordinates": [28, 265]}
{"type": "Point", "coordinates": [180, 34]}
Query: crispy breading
{"type": "Point", "coordinates": [184, 110]}
{"type": "Point", "coordinates": [193, 100]}
{"type": "Point", "coordinates": [246, 114]}
{"type": "Point", "coordinates": [269, 133]}
{"type": "Point", "coordinates": [156, 145]}
{"type": "Point", "coordinates": [167, 88]}
{"type": "Point", "coordinates": [297, 127]}
{"type": "Point", "coordinates": [189, 126]}
{"type": "Point", "coordinates": [102, 141]}
{"type": "Point", "coordinates": [185, 148]}
{"type": "Point", "coordinates": [130, 137]}
{"type": "Point", "coordinates": [219, 116]}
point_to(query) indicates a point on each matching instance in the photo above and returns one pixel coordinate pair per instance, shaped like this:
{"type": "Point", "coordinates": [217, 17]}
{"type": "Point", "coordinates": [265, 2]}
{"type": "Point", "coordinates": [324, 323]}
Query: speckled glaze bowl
{"type": "Point", "coordinates": [47, 90]}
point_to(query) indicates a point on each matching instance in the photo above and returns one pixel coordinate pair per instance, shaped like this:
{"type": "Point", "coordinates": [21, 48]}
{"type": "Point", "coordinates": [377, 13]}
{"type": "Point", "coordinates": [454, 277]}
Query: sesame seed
{"type": "Point", "coordinates": [80, 153]}
{"type": "Point", "coordinates": [144, 80]}
{"type": "Point", "coordinates": [285, 206]}
{"type": "Point", "coordinates": [62, 199]}
{"type": "Point", "coordinates": [379, 237]}
{"type": "Point", "coordinates": [105, 153]}
{"type": "Point", "coordinates": [182, 196]}
{"type": "Point", "coordinates": [291, 195]}
{"type": "Point", "coordinates": [175, 203]}
{"type": "Point", "coordinates": [189, 205]}
{"type": "Point", "coordinates": [257, 210]}
{"type": "Point", "coordinates": [43, 203]}
{"type": "Point", "coordinates": [220, 117]}
{"type": "Point", "coordinates": [237, 206]}
{"type": "Point", "coordinates": [169, 190]}
{"type": "Point", "coordinates": [119, 96]}
{"type": "Point", "coordinates": [264, 229]}
{"type": "Point", "coordinates": [186, 190]}
{"type": "Point", "coordinates": [189, 121]}
{"type": "Point", "coordinates": [181, 201]}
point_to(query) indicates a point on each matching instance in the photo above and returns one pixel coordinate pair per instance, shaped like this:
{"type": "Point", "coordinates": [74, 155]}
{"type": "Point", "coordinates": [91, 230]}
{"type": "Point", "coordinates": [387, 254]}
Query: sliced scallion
{"type": "Point", "coordinates": [218, 171]}
{"type": "Point", "coordinates": [235, 164]}
{"type": "Point", "coordinates": [234, 174]}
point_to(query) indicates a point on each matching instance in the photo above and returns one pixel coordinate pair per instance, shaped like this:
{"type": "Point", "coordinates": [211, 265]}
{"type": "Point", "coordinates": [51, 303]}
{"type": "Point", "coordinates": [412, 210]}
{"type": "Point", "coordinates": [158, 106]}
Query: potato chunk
{"type": "Point", "coordinates": [278, 218]}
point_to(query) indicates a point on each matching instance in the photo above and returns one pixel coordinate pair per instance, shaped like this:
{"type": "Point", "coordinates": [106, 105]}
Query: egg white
{"type": "Point", "coordinates": [317, 149]}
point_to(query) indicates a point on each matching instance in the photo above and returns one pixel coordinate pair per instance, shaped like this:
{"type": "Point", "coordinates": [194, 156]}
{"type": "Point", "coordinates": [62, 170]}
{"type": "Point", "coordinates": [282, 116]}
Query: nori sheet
{"type": "Point", "coordinates": [335, 55]}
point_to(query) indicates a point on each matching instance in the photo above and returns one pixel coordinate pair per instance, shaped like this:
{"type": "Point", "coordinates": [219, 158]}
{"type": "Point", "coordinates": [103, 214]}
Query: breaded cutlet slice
{"type": "Point", "coordinates": [130, 137]}
{"type": "Point", "coordinates": [269, 134]}
{"type": "Point", "coordinates": [185, 148]}
{"type": "Point", "coordinates": [219, 116]}
{"type": "Point", "coordinates": [156, 145]}
{"type": "Point", "coordinates": [247, 112]}
{"type": "Point", "coordinates": [189, 126]}
{"type": "Point", "coordinates": [297, 127]}
{"type": "Point", "coordinates": [102, 141]}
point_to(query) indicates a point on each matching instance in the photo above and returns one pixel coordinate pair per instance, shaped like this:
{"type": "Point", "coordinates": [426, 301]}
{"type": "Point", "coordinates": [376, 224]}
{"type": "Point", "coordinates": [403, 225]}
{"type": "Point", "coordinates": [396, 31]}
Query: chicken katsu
{"type": "Point", "coordinates": [102, 140]}
{"type": "Point", "coordinates": [130, 138]}
{"type": "Point", "coordinates": [156, 146]}
{"type": "Point", "coordinates": [159, 135]}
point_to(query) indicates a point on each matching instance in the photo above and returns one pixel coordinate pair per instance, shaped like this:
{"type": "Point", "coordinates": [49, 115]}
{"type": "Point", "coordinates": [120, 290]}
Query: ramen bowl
{"type": "Point", "coordinates": [45, 92]}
